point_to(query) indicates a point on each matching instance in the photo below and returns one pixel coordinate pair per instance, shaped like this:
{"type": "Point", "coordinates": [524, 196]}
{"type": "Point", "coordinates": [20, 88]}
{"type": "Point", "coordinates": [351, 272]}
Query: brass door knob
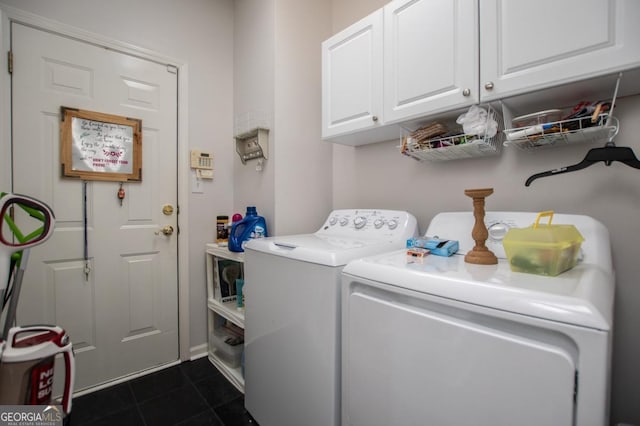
{"type": "Point", "coordinates": [166, 230]}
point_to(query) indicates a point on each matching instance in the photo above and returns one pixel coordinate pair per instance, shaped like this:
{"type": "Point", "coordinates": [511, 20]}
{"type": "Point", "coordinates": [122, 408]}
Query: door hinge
{"type": "Point", "coordinates": [10, 62]}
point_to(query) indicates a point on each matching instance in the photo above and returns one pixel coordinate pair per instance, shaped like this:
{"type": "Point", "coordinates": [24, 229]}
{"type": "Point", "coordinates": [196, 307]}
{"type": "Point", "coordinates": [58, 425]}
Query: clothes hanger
{"type": "Point", "coordinates": [607, 154]}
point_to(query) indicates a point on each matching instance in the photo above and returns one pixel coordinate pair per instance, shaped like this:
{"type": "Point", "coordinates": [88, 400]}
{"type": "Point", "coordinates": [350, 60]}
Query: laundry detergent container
{"type": "Point", "coordinates": [543, 249]}
{"type": "Point", "coordinates": [252, 226]}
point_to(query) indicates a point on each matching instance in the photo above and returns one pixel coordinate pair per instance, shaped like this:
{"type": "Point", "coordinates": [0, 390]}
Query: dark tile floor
{"type": "Point", "coordinates": [190, 394]}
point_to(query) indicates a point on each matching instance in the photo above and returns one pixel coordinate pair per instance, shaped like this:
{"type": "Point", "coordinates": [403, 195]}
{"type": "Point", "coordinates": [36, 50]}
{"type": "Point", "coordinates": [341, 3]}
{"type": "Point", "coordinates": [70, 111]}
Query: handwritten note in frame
{"type": "Point", "coordinates": [98, 146]}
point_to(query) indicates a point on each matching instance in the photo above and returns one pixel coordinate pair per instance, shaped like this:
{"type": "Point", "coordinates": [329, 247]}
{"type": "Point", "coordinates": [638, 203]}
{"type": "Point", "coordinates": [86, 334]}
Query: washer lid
{"type": "Point", "coordinates": [322, 249]}
{"type": "Point", "coordinates": [582, 296]}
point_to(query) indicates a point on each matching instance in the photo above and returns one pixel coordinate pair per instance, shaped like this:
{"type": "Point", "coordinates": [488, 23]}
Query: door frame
{"type": "Point", "coordinates": [10, 14]}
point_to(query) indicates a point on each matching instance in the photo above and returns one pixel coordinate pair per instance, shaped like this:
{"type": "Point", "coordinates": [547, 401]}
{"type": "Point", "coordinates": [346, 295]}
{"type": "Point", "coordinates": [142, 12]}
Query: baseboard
{"type": "Point", "coordinates": [197, 352]}
{"type": "Point", "coordinates": [124, 379]}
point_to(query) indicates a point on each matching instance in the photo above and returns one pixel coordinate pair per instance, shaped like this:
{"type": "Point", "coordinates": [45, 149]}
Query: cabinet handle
{"type": "Point", "coordinates": [374, 118]}
{"type": "Point", "coordinates": [466, 92]}
{"type": "Point", "coordinates": [488, 85]}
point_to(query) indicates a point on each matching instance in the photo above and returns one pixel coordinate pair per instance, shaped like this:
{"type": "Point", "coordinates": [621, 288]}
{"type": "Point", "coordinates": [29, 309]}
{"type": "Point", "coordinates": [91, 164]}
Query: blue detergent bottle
{"type": "Point", "coordinates": [252, 226]}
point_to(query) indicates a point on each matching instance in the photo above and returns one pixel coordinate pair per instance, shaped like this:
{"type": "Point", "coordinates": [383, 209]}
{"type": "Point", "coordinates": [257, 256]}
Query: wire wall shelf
{"type": "Point", "coordinates": [417, 143]}
{"type": "Point", "coordinates": [565, 132]}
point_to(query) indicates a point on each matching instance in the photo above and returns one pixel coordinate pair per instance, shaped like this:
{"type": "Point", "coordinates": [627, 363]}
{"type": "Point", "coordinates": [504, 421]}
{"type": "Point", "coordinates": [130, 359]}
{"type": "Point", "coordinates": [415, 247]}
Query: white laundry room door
{"type": "Point", "coordinates": [122, 316]}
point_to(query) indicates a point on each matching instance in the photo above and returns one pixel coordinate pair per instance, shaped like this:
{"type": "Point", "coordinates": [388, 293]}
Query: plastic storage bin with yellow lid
{"type": "Point", "coordinates": [543, 249]}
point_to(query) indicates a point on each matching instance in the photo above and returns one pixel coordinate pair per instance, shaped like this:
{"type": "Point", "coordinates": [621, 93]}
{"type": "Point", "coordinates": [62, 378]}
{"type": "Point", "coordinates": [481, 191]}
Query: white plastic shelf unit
{"type": "Point", "coordinates": [218, 312]}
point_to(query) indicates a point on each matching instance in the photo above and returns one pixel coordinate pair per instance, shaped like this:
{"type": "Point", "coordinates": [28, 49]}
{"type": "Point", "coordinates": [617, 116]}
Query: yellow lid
{"type": "Point", "coordinates": [544, 234]}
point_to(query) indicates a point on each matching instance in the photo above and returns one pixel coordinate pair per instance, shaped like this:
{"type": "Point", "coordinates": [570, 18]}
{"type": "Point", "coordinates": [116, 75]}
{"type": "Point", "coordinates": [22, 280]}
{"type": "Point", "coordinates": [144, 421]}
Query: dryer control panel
{"type": "Point", "coordinates": [364, 224]}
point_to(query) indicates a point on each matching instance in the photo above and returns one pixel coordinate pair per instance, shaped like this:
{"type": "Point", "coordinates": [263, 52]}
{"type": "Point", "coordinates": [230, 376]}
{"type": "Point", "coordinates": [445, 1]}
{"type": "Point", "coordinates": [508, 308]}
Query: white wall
{"type": "Point", "coordinates": [277, 69]}
{"type": "Point", "coordinates": [303, 161]}
{"type": "Point", "coordinates": [199, 33]}
{"type": "Point", "coordinates": [378, 176]}
{"type": "Point", "coordinates": [253, 65]}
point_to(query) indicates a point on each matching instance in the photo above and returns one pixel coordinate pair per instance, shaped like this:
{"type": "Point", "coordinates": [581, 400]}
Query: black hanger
{"type": "Point", "coordinates": [608, 154]}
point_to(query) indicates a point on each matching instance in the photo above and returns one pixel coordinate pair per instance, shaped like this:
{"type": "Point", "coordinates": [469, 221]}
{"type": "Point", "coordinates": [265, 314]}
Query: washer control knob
{"type": "Point", "coordinates": [344, 221]}
{"type": "Point", "coordinates": [498, 230]}
{"type": "Point", "coordinates": [392, 224]}
{"type": "Point", "coordinates": [333, 221]}
{"type": "Point", "coordinates": [359, 222]}
{"type": "Point", "coordinates": [378, 223]}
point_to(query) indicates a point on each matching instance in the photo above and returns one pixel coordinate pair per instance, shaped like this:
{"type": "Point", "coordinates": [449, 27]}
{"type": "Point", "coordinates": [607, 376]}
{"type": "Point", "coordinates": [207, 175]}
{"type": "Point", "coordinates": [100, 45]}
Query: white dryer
{"type": "Point", "coordinates": [437, 341]}
{"type": "Point", "coordinates": [292, 317]}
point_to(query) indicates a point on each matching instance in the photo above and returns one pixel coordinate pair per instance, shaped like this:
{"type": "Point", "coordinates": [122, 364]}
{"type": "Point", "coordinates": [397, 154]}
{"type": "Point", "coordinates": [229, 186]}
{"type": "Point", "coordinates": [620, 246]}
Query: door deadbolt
{"type": "Point", "coordinates": [167, 209]}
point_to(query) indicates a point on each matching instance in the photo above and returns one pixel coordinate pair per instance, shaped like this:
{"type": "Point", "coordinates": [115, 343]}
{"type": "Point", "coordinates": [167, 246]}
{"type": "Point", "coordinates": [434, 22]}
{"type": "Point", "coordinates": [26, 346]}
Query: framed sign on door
{"type": "Point", "coordinates": [99, 146]}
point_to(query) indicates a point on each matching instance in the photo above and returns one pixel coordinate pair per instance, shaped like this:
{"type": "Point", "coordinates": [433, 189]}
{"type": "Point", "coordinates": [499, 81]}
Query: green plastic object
{"type": "Point", "coordinates": [543, 249]}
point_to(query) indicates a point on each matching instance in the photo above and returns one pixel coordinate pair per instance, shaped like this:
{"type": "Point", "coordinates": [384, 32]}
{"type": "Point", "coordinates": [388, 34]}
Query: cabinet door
{"type": "Point", "coordinates": [352, 78]}
{"type": "Point", "coordinates": [531, 45]}
{"type": "Point", "coordinates": [431, 57]}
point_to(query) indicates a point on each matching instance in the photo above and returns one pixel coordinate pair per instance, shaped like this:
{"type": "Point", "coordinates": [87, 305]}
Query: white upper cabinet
{"type": "Point", "coordinates": [352, 78]}
{"type": "Point", "coordinates": [430, 57]}
{"type": "Point", "coordinates": [529, 45]}
{"type": "Point", "coordinates": [418, 58]}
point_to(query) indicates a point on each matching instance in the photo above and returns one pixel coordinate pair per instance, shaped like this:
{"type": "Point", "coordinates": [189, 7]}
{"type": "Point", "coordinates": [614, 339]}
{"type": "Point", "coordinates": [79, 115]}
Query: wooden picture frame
{"type": "Point", "coordinates": [99, 146]}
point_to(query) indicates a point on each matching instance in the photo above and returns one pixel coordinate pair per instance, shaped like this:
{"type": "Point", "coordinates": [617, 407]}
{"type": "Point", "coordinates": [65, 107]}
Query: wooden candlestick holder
{"type": "Point", "coordinates": [480, 254]}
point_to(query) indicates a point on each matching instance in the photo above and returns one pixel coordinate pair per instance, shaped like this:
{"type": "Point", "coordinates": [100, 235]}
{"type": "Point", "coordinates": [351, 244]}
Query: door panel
{"type": "Point", "coordinates": [122, 317]}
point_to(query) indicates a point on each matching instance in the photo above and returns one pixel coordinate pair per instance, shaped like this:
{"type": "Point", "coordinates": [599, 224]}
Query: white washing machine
{"type": "Point", "coordinates": [437, 341]}
{"type": "Point", "coordinates": [292, 316]}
